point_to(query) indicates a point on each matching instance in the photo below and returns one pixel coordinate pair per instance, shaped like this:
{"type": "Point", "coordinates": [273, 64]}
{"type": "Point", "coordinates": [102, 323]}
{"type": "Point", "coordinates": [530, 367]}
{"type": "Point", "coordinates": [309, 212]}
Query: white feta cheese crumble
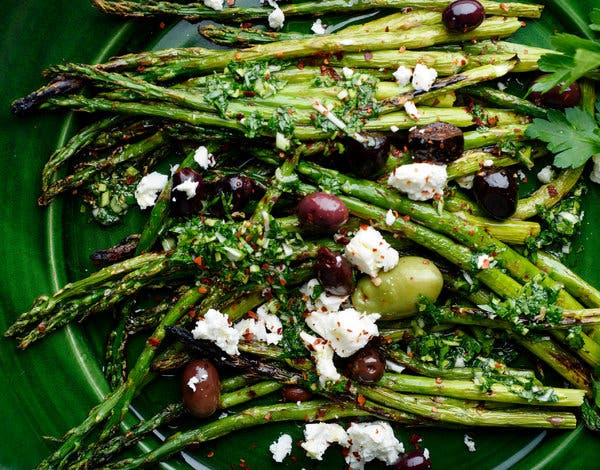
{"type": "Point", "coordinates": [485, 262]}
{"type": "Point", "coordinates": [595, 174]}
{"type": "Point", "coordinates": [420, 181]}
{"type": "Point", "coordinates": [347, 72]}
{"type": "Point", "coordinates": [342, 95]}
{"type": "Point", "coordinates": [394, 129]}
{"type": "Point", "coordinates": [149, 187]}
{"type": "Point", "coordinates": [546, 174]}
{"type": "Point", "coordinates": [488, 163]}
{"type": "Point", "coordinates": [347, 42]}
{"type": "Point", "coordinates": [214, 4]}
{"type": "Point", "coordinates": [192, 382]}
{"type": "Point", "coordinates": [281, 448]}
{"type": "Point", "coordinates": [370, 441]}
{"type": "Point", "coordinates": [266, 327]}
{"type": "Point", "coordinates": [470, 443]}
{"type": "Point", "coordinates": [412, 110]}
{"type": "Point", "coordinates": [318, 27]}
{"type": "Point", "coordinates": [322, 353]}
{"type": "Point", "coordinates": [319, 436]}
{"type": "Point", "coordinates": [215, 327]}
{"type": "Point", "coordinates": [188, 187]}
{"type": "Point", "coordinates": [369, 252]}
{"type": "Point", "coordinates": [423, 77]}
{"type": "Point", "coordinates": [394, 366]}
{"type": "Point", "coordinates": [347, 331]}
{"type": "Point", "coordinates": [466, 182]}
{"type": "Point", "coordinates": [403, 75]}
{"type": "Point", "coordinates": [282, 142]}
{"type": "Point", "coordinates": [501, 86]}
{"type": "Point", "coordinates": [325, 302]}
{"type": "Point", "coordinates": [204, 159]}
{"type": "Point", "coordinates": [276, 18]}
{"type": "Point", "coordinates": [390, 218]}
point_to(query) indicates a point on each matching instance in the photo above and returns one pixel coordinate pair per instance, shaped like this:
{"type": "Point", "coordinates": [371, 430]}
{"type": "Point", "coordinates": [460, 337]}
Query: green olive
{"type": "Point", "coordinates": [397, 294]}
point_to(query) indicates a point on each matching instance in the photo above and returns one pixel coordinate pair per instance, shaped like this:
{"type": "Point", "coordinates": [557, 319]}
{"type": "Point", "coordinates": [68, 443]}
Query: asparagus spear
{"type": "Point", "coordinates": [198, 11]}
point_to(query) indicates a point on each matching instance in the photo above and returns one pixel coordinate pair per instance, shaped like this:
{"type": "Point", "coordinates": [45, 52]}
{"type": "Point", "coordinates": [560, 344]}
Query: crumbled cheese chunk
{"type": "Point", "coordinates": [318, 27]}
{"type": "Point", "coordinates": [148, 189]}
{"type": "Point", "coordinates": [276, 18]}
{"type": "Point", "coordinates": [347, 72]}
{"type": "Point", "coordinates": [319, 436]}
{"type": "Point", "coordinates": [488, 163]}
{"type": "Point", "coordinates": [403, 75]}
{"type": "Point", "coordinates": [370, 441]}
{"type": "Point", "coordinates": [546, 174]}
{"type": "Point", "coordinates": [342, 95]}
{"type": "Point", "coordinates": [192, 382]}
{"type": "Point", "coordinates": [394, 366]}
{"type": "Point", "coordinates": [412, 110]}
{"type": "Point", "coordinates": [466, 182]}
{"type": "Point", "coordinates": [347, 331]}
{"type": "Point", "coordinates": [485, 262]}
{"type": "Point", "coordinates": [266, 327]}
{"type": "Point", "coordinates": [322, 353]}
{"type": "Point", "coordinates": [188, 187]}
{"type": "Point", "coordinates": [470, 443]}
{"type": "Point", "coordinates": [282, 142]}
{"type": "Point", "coordinates": [390, 218]}
{"type": "Point", "coordinates": [369, 252]}
{"type": "Point", "coordinates": [595, 174]}
{"type": "Point", "coordinates": [216, 327]}
{"type": "Point", "coordinates": [394, 129]}
{"type": "Point", "coordinates": [325, 302]}
{"type": "Point", "coordinates": [214, 4]}
{"type": "Point", "coordinates": [204, 159]}
{"type": "Point", "coordinates": [423, 77]}
{"type": "Point", "coordinates": [281, 448]}
{"type": "Point", "coordinates": [420, 181]}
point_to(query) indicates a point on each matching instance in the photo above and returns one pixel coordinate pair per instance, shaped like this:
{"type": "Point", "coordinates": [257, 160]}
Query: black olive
{"type": "Point", "coordinates": [554, 98]}
{"type": "Point", "coordinates": [322, 211]}
{"type": "Point", "coordinates": [414, 460]}
{"type": "Point", "coordinates": [200, 388]}
{"type": "Point", "coordinates": [182, 203]}
{"type": "Point", "coordinates": [438, 142]}
{"type": "Point", "coordinates": [463, 15]}
{"type": "Point", "coordinates": [333, 272]}
{"type": "Point", "coordinates": [367, 158]}
{"type": "Point", "coordinates": [236, 189]}
{"type": "Point", "coordinates": [497, 191]}
{"type": "Point", "coordinates": [365, 366]}
{"type": "Point", "coordinates": [295, 393]}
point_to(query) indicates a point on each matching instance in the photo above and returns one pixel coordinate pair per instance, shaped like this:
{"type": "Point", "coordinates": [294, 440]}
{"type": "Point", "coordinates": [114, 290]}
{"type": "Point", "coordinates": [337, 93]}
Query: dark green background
{"type": "Point", "coordinates": [49, 388]}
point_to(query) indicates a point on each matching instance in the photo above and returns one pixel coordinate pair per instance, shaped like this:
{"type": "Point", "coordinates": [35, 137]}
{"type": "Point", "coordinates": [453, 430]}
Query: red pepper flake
{"type": "Point", "coordinates": [406, 218]}
{"type": "Point", "coordinates": [211, 454]}
{"type": "Point", "coordinates": [439, 380]}
{"type": "Point", "coordinates": [268, 416]}
{"type": "Point", "coordinates": [130, 179]}
{"type": "Point", "coordinates": [162, 25]}
{"type": "Point", "coordinates": [202, 290]}
{"type": "Point", "coordinates": [552, 192]}
{"type": "Point", "coordinates": [414, 440]}
{"type": "Point", "coordinates": [237, 56]}
{"type": "Point", "coordinates": [301, 65]}
{"type": "Point", "coordinates": [41, 327]}
{"type": "Point", "coordinates": [230, 3]}
{"type": "Point", "coordinates": [192, 313]}
{"type": "Point", "coordinates": [492, 121]}
{"type": "Point", "coordinates": [198, 260]}
{"type": "Point", "coordinates": [361, 400]}
{"type": "Point", "coordinates": [253, 315]}
{"type": "Point", "coordinates": [154, 342]}
{"type": "Point", "coordinates": [140, 68]}
{"type": "Point", "coordinates": [504, 7]}
{"type": "Point", "coordinates": [402, 49]}
{"type": "Point", "coordinates": [280, 55]}
{"type": "Point", "coordinates": [282, 281]}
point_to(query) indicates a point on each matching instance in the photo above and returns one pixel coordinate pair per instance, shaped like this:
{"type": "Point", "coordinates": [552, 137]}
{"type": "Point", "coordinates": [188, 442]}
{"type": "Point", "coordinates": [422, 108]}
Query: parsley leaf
{"type": "Point", "coordinates": [576, 57]}
{"type": "Point", "coordinates": [595, 18]}
{"type": "Point", "coordinates": [573, 136]}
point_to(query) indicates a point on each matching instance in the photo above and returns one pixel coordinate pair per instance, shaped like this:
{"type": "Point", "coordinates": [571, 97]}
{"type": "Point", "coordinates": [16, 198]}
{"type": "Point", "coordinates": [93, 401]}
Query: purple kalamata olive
{"type": "Point", "coordinates": [366, 366]}
{"type": "Point", "coordinates": [463, 15]}
{"type": "Point", "coordinates": [366, 158]}
{"type": "Point", "coordinates": [333, 272]}
{"type": "Point", "coordinates": [438, 142]}
{"type": "Point", "coordinates": [554, 98]}
{"type": "Point", "coordinates": [414, 460]}
{"type": "Point", "coordinates": [237, 189]}
{"type": "Point", "coordinates": [322, 211]}
{"type": "Point", "coordinates": [496, 191]}
{"type": "Point", "coordinates": [200, 388]}
{"type": "Point", "coordinates": [295, 393]}
{"type": "Point", "coordinates": [188, 191]}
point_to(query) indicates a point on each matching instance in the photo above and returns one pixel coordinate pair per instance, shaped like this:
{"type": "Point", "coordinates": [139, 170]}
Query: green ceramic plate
{"type": "Point", "coordinates": [49, 388]}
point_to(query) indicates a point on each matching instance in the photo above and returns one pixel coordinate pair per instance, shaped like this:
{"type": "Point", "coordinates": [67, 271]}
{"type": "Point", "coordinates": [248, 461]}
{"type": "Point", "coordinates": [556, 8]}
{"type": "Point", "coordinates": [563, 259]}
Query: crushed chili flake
{"type": "Point", "coordinates": [154, 342]}
{"type": "Point", "coordinates": [210, 454]}
{"type": "Point", "coordinates": [268, 416]}
{"type": "Point", "coordinates": [202, 290]}
{"type": "Point", "coordinates": [552, 191]}
{"type": "Point", "coordinates": [439, 380]}
{"type": "Point", "coordinates": [41, 327]}
{"type": "Point", "coordinates": [361, 400]}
